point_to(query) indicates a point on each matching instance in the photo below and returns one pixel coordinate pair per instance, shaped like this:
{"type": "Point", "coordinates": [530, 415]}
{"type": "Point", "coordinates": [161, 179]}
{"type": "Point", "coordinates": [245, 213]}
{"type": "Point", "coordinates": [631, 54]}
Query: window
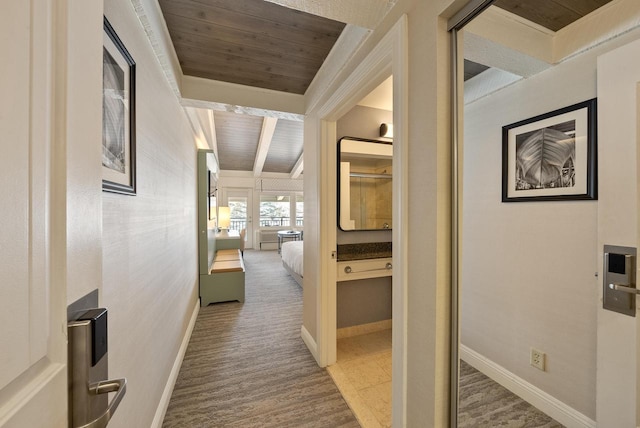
{"type": "Point", "coordinates": [275, 210]}
{"type": "Point", "coordinates": [238, 208]}
{"type": "Point", "coordinates": [281, 210]}
{"type": "Point", "coordinates": [299, 210]}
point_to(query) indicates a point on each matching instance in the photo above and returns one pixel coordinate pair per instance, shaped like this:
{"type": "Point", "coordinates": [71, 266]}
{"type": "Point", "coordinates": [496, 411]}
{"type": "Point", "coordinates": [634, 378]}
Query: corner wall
{"type": "Point", "coordinates": [528, 269]}
{"type": "Point", "coordinates": [150, 260]}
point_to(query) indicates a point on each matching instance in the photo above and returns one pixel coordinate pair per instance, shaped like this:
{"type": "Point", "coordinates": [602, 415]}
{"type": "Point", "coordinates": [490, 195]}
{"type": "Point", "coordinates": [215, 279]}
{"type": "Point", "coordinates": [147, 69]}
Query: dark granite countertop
{"type": "Point", "coordinates": [369, 250]}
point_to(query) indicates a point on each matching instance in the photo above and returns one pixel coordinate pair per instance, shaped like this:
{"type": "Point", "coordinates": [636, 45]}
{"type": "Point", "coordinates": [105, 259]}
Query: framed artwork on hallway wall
{"type": "Point", "coordinates": [118, 115]}
{"type": "Point", "coordinates": [551, 157]}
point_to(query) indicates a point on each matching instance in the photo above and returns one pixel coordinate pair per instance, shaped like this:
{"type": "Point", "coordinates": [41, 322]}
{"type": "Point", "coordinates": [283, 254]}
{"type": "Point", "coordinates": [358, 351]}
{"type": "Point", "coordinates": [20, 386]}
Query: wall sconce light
{"type": "Point", "coordinates": [224, 220]}
{"type": "Point", "coordinates": [386, 130]}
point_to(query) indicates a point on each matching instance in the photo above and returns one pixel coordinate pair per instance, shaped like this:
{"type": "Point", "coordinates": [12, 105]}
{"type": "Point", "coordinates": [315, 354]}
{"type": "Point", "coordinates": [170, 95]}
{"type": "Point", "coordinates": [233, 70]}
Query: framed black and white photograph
{"type": "Point", "coordinates": [552, 156]}
{"type": "Point", "coordinates": [118, 115]}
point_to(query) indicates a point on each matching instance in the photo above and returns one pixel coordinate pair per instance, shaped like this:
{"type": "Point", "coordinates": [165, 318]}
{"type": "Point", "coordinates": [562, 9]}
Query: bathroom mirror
{"type": "Point", "coordinates": [364, 184]}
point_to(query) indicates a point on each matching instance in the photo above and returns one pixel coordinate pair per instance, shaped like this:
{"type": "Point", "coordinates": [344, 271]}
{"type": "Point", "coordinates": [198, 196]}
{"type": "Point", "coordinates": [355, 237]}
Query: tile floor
{"type": "Point", "coordinates": [363, 376]}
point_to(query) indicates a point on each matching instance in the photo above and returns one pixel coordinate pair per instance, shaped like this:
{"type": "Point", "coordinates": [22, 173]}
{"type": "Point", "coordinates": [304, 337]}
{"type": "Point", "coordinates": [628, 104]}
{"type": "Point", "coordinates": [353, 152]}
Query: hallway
{"type": "Point", "coordinates": [246, 364]}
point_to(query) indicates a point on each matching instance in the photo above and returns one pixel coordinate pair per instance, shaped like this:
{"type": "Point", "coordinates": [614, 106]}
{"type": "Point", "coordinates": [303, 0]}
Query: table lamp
{"type": "Point", "coordinates": [224, 220]}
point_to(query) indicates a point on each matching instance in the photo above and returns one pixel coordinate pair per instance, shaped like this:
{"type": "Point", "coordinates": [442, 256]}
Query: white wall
{"type": "Point", "coordinates": [528, 273]}
{"type": "Point", "coordinates": [150, 260]}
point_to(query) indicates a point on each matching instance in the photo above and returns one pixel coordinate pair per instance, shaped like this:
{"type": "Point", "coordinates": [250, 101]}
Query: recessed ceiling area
{"type": "Point", "coordinates": [249, 42]}
{"type": "Point", "coordinates": [551, 14]}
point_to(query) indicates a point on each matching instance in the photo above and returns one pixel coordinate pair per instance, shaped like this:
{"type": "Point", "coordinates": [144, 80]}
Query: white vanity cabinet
{"type": "Point", "coordinates": [363, 269]}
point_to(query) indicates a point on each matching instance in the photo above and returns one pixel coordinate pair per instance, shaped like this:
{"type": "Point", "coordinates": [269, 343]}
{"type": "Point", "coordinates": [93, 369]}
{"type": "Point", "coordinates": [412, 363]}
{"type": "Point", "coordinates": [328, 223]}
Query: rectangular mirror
{"type": "Point", "coordinates": [364, 184]}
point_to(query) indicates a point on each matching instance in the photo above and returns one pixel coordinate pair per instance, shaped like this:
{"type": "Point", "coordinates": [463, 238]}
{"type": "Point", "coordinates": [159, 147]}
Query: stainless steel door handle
{"type": "Point", "coordinates": [625, 288]}
{"type": "Point", "coordinates": [119, 386]}
{"type": "Point", "coordinates": [88, 371]}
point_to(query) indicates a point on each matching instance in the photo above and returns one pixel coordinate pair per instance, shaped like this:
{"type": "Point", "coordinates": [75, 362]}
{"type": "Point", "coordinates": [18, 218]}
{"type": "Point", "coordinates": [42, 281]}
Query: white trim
{"type": "Point", "coordinates": [308, 340]}
{"type": "Point", "coordinates": [152, 20]}
{"type": "Point", "coordinates": [233, 97]}
{"type": "Point", "coordinates": [350, 40]}
{"type": "Point", "coordinates": [400, 219]}
{"type": "Point", "coordinates": [545, 402]}
{"type": "Point", "coordinates": [297, 168]}
{"type": "Point", "coordinates": [161, 410]}
{"type": "Point", "coordinates": [22, 401]}
{"type": "Point", "coordinates": [388, 57]}
{"type": "Point", "coordinates": [369, 74]}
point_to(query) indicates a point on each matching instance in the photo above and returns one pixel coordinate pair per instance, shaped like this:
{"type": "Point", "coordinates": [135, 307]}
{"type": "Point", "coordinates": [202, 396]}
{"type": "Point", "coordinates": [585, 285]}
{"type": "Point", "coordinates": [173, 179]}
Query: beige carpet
{"type": "Point", "coordinates": [246, 365]}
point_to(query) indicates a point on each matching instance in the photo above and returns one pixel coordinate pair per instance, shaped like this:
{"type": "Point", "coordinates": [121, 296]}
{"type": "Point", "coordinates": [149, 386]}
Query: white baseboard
{"type": "Point", "coordinates": [311, 344]}
{"type": "Point", "coordinates": [548, 404]}
{"type": "Point", "coordinates": [175, 370]}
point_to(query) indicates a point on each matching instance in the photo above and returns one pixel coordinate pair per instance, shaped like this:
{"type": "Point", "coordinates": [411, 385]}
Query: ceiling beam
{"type": "Point", "coordinates": [298, 167]}
{"type": "Point", "coordinates": [494, 54]}
{"type": "Point", "coordinates": [266, 136]}
{"type": "Point", "coordinates": [363, 13]}
{"type": "Point", "coordinates": [611, 20]}
{"type": "Point", "coordinates": [203, 127]}
{"type": "Point", "coordinates": [205, 117]}
{"type": "Point", "coordinates": [212, 130]}
{"type": "Point", "coordinates": [196, 128]}
{"type": "Point", "coordinates": [513, 33]}
{"type": "Point", "coordinates": [200, 92]}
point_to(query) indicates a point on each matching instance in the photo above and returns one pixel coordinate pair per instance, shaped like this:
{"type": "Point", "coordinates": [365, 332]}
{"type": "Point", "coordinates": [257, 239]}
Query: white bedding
{"type": "Point", "coordinates": [291, 253]}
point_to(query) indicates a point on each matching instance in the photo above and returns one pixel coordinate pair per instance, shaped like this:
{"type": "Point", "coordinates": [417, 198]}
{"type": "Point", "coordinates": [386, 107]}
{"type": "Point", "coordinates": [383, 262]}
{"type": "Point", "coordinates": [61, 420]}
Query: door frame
{"type": "Point", "coordinates": [249, 194]}
{"type": "Point", "coordinates": [389, 57]}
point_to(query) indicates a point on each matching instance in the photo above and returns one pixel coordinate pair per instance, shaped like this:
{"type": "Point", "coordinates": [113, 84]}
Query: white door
{"type": "Point", "coordinates": [239, 200]}
{"type": "Point", "coordinates": [618, 129]}
{"type": "Point", "coordinates": [33, 380]}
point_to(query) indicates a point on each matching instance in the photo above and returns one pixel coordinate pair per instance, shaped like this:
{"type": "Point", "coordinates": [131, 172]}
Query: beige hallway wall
{"type": "Point", "coordinates": [149, 240]}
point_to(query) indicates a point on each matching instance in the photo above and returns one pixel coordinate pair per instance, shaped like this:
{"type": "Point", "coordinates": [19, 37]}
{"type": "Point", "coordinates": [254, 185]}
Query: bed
{"type": "Point", "coordinates": [291, 253]}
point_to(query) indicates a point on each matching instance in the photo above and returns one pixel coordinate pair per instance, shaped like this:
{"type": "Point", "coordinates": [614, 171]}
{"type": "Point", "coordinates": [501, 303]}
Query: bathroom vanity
{"type": "Point", "coordinates": [362, 261]}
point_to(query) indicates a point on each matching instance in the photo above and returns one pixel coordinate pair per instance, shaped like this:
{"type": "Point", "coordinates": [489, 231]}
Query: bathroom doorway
{"type": "Point", "coordinates": [363, 368]}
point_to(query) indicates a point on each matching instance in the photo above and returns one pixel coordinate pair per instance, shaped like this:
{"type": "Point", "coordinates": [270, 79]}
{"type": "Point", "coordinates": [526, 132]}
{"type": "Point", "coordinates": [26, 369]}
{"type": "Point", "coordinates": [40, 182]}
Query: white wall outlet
{"type": "Point", "coordinates": [537, 359]}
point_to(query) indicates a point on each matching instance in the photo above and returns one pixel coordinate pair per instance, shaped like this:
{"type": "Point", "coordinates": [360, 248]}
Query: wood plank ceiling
{"type": "Point", "coordinates": [249, 42]}
{"type": "Point", "coordinates": [551, 14]}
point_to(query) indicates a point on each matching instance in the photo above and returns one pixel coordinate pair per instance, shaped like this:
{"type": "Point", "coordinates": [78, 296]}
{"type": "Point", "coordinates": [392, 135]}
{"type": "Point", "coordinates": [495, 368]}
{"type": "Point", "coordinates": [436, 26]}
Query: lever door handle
{"type": "Point", "coordinates": [119, 386]}
{"type": "Point", "coordinates": [624, 288]}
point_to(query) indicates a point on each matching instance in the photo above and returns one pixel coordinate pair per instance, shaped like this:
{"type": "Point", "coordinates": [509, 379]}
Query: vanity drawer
{"type": "Point", "coordinates": [363, 269]}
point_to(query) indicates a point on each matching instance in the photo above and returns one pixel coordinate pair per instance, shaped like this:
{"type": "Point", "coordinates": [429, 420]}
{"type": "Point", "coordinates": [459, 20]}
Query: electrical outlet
{"type": "Point", "coordinates": [537, 359]}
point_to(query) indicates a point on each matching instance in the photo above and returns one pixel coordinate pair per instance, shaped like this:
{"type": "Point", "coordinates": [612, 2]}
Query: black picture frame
{"type": "Point", "coordinates": [551, 157]}
{"type": "Point", "coordinates": [118, 115]}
